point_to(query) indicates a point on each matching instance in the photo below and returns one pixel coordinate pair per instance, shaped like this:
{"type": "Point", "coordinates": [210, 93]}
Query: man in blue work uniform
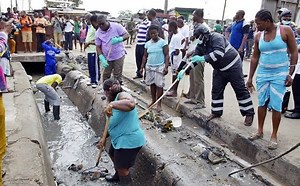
{"type": "Point", "coordinates": [214, 49]}
{"type": "Point", "coordinates": [50, 51]}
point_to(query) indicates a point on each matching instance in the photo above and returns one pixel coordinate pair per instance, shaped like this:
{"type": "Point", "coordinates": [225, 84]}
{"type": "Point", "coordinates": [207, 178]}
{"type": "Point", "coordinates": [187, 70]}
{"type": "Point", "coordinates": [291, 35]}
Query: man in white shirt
{"type": "Point", "coordinates": [69, 27]}
{"type": "Point", "coordinates": [184, 30]}
{"type": "Point", "coordinates": [175, 53]}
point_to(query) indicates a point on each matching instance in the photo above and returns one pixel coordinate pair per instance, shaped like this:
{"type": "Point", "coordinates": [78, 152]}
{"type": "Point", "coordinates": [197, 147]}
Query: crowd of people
{"type": "Point", "coordinates": [185, 49]}
{"type": "Point", "coordinates": [67, 32]}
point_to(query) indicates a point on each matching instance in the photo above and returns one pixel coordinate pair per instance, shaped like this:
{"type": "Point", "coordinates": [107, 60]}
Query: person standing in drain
{"type": "Point", "coordinates": [50, 51]}
{"type": "Point", "coordinates": [127, 137]}
{"type": "Point", "coordinates": [47, 85]}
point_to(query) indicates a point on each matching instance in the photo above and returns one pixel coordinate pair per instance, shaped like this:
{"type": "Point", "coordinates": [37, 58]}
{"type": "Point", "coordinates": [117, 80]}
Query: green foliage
{"type": "Point", "coordinates": [125, 14]}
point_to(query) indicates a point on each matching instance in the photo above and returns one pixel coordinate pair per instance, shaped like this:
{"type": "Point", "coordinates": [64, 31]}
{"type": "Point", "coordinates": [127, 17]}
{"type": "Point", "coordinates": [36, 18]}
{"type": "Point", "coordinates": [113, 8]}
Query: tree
{"type": "Point", "coordinates": [77, 2]}
{"type": "Point", "coordinates": [125, 14]}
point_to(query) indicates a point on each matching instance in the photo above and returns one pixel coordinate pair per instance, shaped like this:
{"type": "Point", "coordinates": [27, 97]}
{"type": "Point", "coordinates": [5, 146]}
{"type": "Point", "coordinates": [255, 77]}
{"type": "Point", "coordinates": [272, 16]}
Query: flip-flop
{"type": "Point", "coordinates": [190, 102]}
{"type": "Point", "coordinates": [3, 173]}
{"type": "Point", "coordinates": [255, 136]}
{"type": "Point", "coordinates": [272, 145]}
{"type": "Point", "coordinates": [199, 106]}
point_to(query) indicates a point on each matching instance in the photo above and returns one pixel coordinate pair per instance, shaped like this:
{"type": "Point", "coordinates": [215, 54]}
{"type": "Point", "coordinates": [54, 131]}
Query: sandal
{"type": "Point", "coordinates": [3, 173]}
{"type": "Point", "coordinates": [248, 120]}
{"type": "Point", "coordinates": [190, 102]}
{"type": "Point", "coordinates": [273, 145]}
{"type": "Point", "coordinates": [256, 136]}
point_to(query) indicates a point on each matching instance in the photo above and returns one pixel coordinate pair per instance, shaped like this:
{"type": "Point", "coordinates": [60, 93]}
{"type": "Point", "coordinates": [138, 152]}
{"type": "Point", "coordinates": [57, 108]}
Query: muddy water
{"type": "Point", "coordinates": [70, 140]}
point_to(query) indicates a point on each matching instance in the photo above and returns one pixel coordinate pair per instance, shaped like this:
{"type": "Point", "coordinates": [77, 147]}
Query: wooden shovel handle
{"type": "Point", "coordinates": [103, 140]}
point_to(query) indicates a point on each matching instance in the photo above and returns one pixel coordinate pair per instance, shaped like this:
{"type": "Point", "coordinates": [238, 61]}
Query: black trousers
{"type": "Point", "coordinates": [234, 76]}
{"type": "Point", "coordinates": [40, 38]}
{"type": "Point", "coordinates": [139, 53]}
{"type": "Point", "coordinates": [68, 41]}
{"type": "Point", "coordinates": [296, 92]}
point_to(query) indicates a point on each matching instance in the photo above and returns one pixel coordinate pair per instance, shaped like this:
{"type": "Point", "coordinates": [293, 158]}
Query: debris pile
{"type": "Point", "coordinates": [90, 174]}
{"type": "Point", "coordinates": [214, 155]}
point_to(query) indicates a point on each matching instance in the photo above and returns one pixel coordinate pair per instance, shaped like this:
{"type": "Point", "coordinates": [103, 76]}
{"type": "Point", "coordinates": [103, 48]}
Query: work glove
{"type": "Point", "coordinates": [103, 61]}
{"type": "Point", "coordinates": [180, 75]}
{"type": "Point", "coordinates": [197, 59]}
{"type": "Point", "coordinates": [116, 40]}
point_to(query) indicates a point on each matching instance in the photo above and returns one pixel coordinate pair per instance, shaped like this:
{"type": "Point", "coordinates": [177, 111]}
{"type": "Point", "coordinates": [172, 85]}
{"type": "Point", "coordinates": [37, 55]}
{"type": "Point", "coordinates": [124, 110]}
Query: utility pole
{"type": "Point", "coordinates": [166, 7]}
{"type": "Point", "coordinates": [29, 3]}
{"type": "Point", "coordinates": [224, 12]}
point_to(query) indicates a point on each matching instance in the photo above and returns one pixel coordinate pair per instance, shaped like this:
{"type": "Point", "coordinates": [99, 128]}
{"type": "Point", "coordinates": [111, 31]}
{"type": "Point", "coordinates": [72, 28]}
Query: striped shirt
{"type": "Point", "coordinates": [142, 32]}
{"type": "Point", "coordinates": [3, 48]}
{"type": "Point", "coordinates": [3, 43]}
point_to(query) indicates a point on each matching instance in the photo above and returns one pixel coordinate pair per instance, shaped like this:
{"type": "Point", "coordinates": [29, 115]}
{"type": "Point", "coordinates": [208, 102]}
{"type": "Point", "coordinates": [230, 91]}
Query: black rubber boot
{"type": "Point", "coordinates": [47, 106]}
{"type": "Point", "coordinates": [56, 112]}
{"type": "Point", "coordinates": [126, 180]}
{"type": "Point", "coordinates": [112, 178]}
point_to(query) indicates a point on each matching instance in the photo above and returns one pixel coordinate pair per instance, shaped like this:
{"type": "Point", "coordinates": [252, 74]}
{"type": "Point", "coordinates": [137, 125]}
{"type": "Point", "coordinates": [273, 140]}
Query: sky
{"type": "Point", "coordinates": [212, 8]}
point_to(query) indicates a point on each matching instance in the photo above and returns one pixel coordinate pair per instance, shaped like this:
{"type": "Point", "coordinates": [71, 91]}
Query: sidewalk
{"type": "Point", "coordinates": [231, 123]}
{"type": "Point", "coordinates": [26, 160]}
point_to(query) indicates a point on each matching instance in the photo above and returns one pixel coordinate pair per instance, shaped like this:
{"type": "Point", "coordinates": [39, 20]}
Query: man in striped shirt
{"type": "Point", "coordinates": [141, 40]}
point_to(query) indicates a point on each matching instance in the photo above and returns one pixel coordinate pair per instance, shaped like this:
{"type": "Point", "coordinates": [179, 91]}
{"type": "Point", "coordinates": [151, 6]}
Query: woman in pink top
{"type": "Point", "coordinates": [82, 36]}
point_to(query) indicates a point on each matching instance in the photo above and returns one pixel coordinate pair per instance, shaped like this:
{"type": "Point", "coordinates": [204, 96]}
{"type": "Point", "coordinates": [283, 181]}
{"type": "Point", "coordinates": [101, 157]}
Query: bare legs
{"type": "Point", "coordinates": [173, 91]}
{"type": "Point", "coordinates": [80, 44]}
{"type": "Point", "coordinates": [30, 46]}
{"type": "Point", "coordinates": [156, 92]}
{"type": "Point", "coordinates": [25, 46]}
{"type": "Point", "coordinates": [276, 118]}
{"type": "Point", "coordinates": [262, 112]}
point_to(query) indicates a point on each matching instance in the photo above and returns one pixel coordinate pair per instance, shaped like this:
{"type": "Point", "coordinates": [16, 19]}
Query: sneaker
{"type": "Point", "coordinates": [88, 83]}
{"type": "Point", "coordinates": [94, 85]}
{"type": "Point", "coordinates": [293, 115]}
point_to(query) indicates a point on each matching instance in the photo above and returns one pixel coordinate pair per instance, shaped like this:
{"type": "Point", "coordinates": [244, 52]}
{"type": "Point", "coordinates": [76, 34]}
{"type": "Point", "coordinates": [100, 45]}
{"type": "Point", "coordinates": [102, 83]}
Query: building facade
{"type": "Point", "coordinates": [274, 5]}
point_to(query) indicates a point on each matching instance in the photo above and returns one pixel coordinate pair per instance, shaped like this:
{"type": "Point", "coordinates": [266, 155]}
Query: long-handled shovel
{"type": "Point", "coordinates": [102, 143]}
{"type": "Point", "coordinates": [267, 161]}
{"type": "Point", "coordinates": [103, 140]}
{"type": "Point", "coordinates": [162, 96]}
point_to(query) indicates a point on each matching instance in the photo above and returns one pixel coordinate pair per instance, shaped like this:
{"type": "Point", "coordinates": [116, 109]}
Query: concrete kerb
{"type": "Point", "coordinates": [33, 57]}
{"type": "Point", "coordinates": [237, 139]}
{"type": "Point", "coordinates": [27, 160]}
